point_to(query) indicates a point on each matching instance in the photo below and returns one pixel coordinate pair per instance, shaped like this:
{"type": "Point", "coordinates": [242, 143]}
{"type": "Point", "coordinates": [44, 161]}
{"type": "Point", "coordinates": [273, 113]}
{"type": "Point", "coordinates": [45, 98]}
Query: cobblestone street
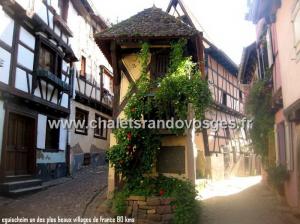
{"type": "Point", "coordinates": [243, 201]}
{"type": "Point", "coordinates": [70, 197]}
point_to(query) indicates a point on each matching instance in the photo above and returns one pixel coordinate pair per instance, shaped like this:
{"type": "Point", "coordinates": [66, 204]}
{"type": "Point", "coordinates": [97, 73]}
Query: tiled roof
{"type": "Point", "coordinates": [152, 22]}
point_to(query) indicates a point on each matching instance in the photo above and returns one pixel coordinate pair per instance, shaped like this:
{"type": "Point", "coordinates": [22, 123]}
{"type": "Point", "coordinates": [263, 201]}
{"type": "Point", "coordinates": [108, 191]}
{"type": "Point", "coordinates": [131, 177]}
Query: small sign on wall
{"type": "Point", "coordinates": [171, 160]}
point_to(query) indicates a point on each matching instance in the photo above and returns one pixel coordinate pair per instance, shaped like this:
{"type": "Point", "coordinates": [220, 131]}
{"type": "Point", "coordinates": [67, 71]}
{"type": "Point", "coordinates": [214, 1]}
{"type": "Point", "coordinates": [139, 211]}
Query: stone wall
{"type": "Point", "coordinates": [148, 210]}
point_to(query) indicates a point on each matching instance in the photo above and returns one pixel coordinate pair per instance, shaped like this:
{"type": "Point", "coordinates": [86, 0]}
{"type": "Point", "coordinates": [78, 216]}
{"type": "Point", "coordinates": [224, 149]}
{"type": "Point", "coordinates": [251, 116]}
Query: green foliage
{"type": "Point", "coordinates": [259, 107]}
{"type": "Point", "coordinates": [135, 152]}
{"type": "Point", "coordinates": [182, 85]}
{"type": "Point", "coordinates": [277, 175]}
{"type": "Point", "coordinates": [183, 192]}
{"type": "Point", "coordinates": [119, 205]}
{"type": "Point", "coordinates": [136, 149]}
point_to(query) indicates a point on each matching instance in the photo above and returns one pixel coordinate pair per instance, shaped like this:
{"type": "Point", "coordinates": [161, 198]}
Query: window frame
{"type": "Point", "coordinates": [83, 67]}
{"type": "Point", "coordinates": [58, 57]}
{"type": "Point", "coordinates": [101, 129]}
{"type": "Point", "coordinates": [295, 14]}
{"type": "Point", "coordinates": [86, 115]}
{"type": "Point", "coordinates": [224, 98]}
{"type": "Point", "coordinates": [56, 147]}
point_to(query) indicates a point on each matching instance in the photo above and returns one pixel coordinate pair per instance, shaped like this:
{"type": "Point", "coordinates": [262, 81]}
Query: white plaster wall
{"type": "Point", "coordinates": [63, 137]}
{"type": "Point", "coordinates": [2, 115]}
{"type": "Point", "coordinates": [24, 3]}
{"type": "Point", "coordinates": [85, 141]}
{"type": "Point", "coordinates": [6, 28]}
{"type": "Point", "coordinates": [4, 70]}
{"type": "Point", "coordinates": [65, 100]}
{"type": "Point", "coordinates": [50, 157]}
{"type": "Point", "coordinates": [25, 57]}
{"type": "Point", "coordinates": [21, 80]}
{"type": "Point", "coordinates": [41, 131]}
{"type": "Point", "coordinates": [27, 38]}
{"type": "Point", "coordinates": [83, 44]}
{"type": "Point", "coordinates": [289, 65]}
{"type": "Point", "coordinates": [41, 10]}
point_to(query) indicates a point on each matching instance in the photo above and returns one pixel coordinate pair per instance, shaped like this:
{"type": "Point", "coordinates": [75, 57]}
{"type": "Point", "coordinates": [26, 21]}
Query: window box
{"type": "Point", "coordinates": [52, 79]}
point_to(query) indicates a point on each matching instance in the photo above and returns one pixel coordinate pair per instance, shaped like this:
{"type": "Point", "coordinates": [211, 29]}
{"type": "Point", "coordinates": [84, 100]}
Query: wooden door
{"type": "Point", "coordinates": [19, 153]}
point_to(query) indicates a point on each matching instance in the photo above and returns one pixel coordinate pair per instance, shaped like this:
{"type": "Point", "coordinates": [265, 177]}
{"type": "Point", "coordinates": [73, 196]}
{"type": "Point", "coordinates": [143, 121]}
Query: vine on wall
{"type": "Point", "coordinates": [136, 150]}
{"type": "Point", "coordinates": [259, 107]}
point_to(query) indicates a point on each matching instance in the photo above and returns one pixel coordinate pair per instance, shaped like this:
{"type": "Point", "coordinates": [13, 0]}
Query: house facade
{"type": "Point", "coordinates": [121, 45]}
{"type": "Point", "coordinates": [92, 89]}
{"type": "Point", "coordinates": [40, 83]}
{"type": "Point", "coordinates": [277, 53]}
{"type": "Point", "coordinates": [208, 153]}
{"type": "Point", "coordinates": [224, 152]}
{"type": "Point", "coordinates": [36, 82]}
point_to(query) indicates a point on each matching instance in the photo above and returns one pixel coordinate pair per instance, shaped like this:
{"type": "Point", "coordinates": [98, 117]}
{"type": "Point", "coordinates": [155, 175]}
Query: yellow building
{"type": "Point", "coordinates": [121, 45]}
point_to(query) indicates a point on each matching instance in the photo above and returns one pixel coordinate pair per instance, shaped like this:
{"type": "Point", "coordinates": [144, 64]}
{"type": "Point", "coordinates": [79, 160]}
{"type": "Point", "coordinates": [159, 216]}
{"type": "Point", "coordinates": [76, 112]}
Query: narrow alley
{"type": "Point", "coordinates": [69, 198]}
{"type": "Point", "coordinates": [243, 200]}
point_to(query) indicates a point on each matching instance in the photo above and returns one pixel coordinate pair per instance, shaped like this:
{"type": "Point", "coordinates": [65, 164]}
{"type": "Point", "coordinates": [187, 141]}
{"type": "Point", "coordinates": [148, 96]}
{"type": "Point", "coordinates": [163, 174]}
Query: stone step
{"type": "Point", "coordinates": [24, 191]}
{"type": "Point", "coordinates": [13, 178]}
{"type": "Point", "coordinates": [15, 185]}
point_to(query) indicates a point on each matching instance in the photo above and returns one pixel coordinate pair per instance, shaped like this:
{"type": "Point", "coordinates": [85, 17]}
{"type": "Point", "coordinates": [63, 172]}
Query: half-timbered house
{"type": "Point", "coordinates": [223, 152]}
{"type": "Point", "coordinates": [42, 82]}
{"type": "Point", "coordinates": [92, 92]}
{"type": "Point", "coordinates": [35, 83]}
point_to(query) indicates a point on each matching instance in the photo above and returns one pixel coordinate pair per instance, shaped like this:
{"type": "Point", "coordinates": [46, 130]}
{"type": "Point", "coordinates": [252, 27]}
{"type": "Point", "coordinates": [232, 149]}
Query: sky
{"type": "Point", "coordinates": [223, 21]}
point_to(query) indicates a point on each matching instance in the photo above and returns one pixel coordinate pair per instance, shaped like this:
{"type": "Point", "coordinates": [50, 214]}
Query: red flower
{"type": "Point", "coordinates": [129, 136]}
{"type": "Point", "coordinates": [161, 192]}
{"type": "Point", "coordinates": [130, 148]}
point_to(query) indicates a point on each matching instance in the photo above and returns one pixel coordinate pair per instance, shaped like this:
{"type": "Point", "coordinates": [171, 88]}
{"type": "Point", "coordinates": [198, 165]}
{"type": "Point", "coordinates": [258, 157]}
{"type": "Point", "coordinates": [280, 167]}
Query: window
{"type": "Point", "coordinates": [52, 136]}
{"type": "Point", "coordinates": [49, 60]}
{"type": "Point", "coordinates": [81, 118]}
{"type": "Point", "coordinates": [159, 65]}
{"type": "Point", "coordinates": [227, 133]}
{"type": "Point", "coordinates": [83, 67]}
{"type": "Point", "coordinates": [100, 131]}
{"type": "Point", "coordinates": [296, 25]}
{"type": "Point", "coordinates": [281, 142]}
{"type": "Point", "coordinates": [241, 95]}
{"type": "Point", "coordinates": [46, 59]}
{"type": "Point", "coordinates": [224, 99]}
{"type": "Point", "coordinates": [269, 47]}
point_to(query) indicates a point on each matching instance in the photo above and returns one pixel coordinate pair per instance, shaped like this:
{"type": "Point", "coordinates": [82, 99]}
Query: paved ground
{"type": "Point", "coordinates": [71, 197]}
{"type": "Point", "coordinates": [243, 201]}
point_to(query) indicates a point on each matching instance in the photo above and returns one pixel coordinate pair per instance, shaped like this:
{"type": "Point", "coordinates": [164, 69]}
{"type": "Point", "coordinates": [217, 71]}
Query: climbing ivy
{"type": "Point", "coordinates": [259, 108]}
{"type": "Point", "coordinates": [182, 85]}
{"type": "Point", "coordinates": [136, 150]}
